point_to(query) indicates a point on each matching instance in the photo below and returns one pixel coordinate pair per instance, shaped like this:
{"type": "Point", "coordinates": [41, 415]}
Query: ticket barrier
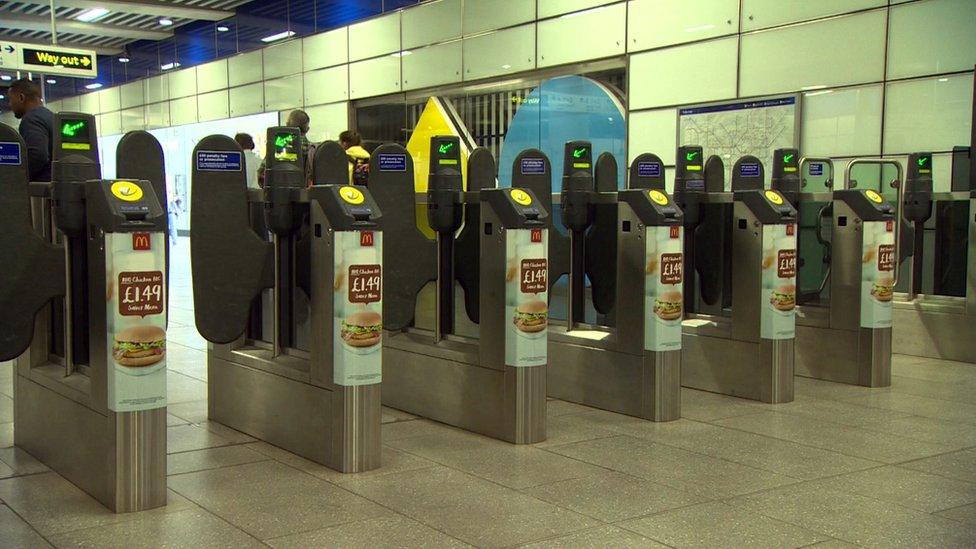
{"type": "Point", "coordinates": [494, 383]}
{"type": "Point", "coordinates": [631, 250]}
{"type": "Point", "coordinates": [740, 325]}
{"type": "Point", "coordinates": [844, 311]}
{"type": "Point", "coordinates": [322, 403]}
{"type": "Point", "coordinates": [83, 310]}
{"type": "Point", "coordinates": [935, 314]}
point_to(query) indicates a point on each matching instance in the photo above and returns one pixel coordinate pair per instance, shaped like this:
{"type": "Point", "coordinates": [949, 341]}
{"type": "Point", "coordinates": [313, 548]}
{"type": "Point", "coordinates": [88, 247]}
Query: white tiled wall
{"type": "Point", "coordinates": [835, 53]}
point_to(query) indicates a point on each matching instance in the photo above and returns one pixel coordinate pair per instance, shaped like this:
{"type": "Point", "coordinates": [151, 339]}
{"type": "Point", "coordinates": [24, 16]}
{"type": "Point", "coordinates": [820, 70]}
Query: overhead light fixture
{"type": "Point", "coordinates": [90, 15]}
{"type": "Point", "coordinates": [169, 66]}
{"type": "Point", "coordinates": [943, 80]}
{"type": "Point", "coordinates": [165, 22]}
{"type": "Point", "coordinates": [124, 59]}
{"type": "Point", "coordinates": [279, 36]}
{"type": "Point", "coordinates": [817, 87]}
{"type": "Point", "coordinates": [401, 53]}
{"type": "Point", "coordinates": [51, 81]}
{"type": "Point", "coordinates": [222, 28]}
{"type": "Point", "coordinates": [6, 77]}
{"type": "Point", "coordinates": [93, 86]}
{"type": "Point", "coordinates": [506, 66]}
{"type": "Point", "coordinates": [2, 96]}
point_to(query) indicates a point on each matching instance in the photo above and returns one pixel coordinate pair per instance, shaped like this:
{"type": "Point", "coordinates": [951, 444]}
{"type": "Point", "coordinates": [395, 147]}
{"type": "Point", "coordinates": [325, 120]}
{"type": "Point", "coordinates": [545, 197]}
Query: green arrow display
{"type": "Point", "coordinates": [578, 153]}
{"type": "Point", "coordinates": [787, 158]}
{"type": "Point", "coordinates": [284, 140]}
{"type": "Point", "coordinates": [445, 148]}
{"type": "Point", "coordinates": [691, 156]}
{"type": "Point", "coordinates": [922, 160]}
{"type": "Point", "coordinates": [71, 130]}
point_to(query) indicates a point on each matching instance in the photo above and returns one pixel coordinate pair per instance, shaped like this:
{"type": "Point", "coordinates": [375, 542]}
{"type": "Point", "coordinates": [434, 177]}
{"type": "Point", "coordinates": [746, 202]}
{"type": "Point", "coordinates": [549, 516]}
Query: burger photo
{"type": "Point", "coordinates": [667, 306]}
{"type": "Point", "coordinates": [362, 329]}
{"type": "Point", "coordinates": [139, 346]}
{"type": "Point", "coordinates": [883, 289]}
{"type": "Point", "coordinates": [532, 316]}
{"type": "Point", "coordinates": [783, 297]}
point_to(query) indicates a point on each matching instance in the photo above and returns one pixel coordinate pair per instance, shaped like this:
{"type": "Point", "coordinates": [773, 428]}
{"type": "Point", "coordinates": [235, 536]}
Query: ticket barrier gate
{"type": "Point", "coordinates": [844, 320]}
{"type": "Point", "coordinates": [83, 310]}
{"type": "Point", "coordinates": [494, 384]}
{"type": "Point", "coordinates": [935, 317]}
{"type": "Point", "coordinates": [322, 403]}
{"type": "Point", "coordinates": [632, 254]}
{"type": "Point", "coordinates": [743, 255]}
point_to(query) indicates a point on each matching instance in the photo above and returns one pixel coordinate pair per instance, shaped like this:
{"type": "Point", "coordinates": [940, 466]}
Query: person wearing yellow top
{"type": "Point", "coordinates": [358, 157]}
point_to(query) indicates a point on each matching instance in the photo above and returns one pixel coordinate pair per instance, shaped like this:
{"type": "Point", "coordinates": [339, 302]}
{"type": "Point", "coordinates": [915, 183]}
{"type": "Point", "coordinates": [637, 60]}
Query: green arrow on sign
{"type": "Point", "coordinates": [69, 129]}
{"type": "Point", "coordinates": [578, 153]}
{"type": "Point", "coordinates": [445, 148]}
{"type": "Point", "coordinates": [691, 156]}
{"type": "Point", "coordinates": [284, 140]}
{"type": "Point", "coordinates": [787, 158]}
{"type": "Point", "coordinates": [922, 160]}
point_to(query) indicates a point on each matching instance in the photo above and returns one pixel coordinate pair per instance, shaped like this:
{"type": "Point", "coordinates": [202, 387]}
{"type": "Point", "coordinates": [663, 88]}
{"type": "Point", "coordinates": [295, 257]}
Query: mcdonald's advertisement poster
{"type": "Point", "coordinates": [663, 284]}
{"type": "Point", "coordinates": [527, 297]}
{"type": "Point", "coordinates": [877, 274]}
{"type": "Point", "coordinates": [357, 349]}
{"type": "Point", "coordinates": [778, 314]}
{"type": "Point", "coordinates": [135, 294]}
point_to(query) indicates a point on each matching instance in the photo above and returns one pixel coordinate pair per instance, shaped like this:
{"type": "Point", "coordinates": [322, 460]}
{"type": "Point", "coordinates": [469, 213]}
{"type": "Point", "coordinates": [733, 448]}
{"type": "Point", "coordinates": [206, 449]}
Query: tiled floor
{"type": "Point", "coordinates": [840, 466]}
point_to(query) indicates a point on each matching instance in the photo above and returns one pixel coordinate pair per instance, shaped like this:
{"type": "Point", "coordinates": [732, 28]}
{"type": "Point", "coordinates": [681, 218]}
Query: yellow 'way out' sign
{"type": "Point", "coordinates": [50, 60]}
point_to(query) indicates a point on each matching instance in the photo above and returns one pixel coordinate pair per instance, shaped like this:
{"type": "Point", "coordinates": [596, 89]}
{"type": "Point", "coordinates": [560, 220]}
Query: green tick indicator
{"type": "Point", "coordinates": [922, 160]}
{"type": "Point", "coordinates": [578, 153]}
{"type": "Point", "coordinates": [71, 130]}
{"type": "Point", "coordinates": [284, 140]}
{"type": "Point", "coordinates": [690, 157]}
{"type": "Point", "coordinates": [445, 148]}
{"type": "Point", "coordinates": [787, 158]}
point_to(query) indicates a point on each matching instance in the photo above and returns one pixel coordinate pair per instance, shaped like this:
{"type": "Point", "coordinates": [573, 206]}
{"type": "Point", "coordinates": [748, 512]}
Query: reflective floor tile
{"type": "Point", "coordinates": [762, 452]}
{"type": "Point", "coordinates": [906, 487]}
{"type": "Point", "coordinates": [598, 538]}
{"type": "Point", "coordinates": [857, 442]}
{"type": "Point", "coordinates": [20, 461]}
{"type": "Point", "coordinates": [515, 466]}
{"type": "Point", "coordinates": [955, 391]}
{"type": "Point", "coordinates": [194, 411]}
{"type": "Point", "coordinates": [926, 429]}
{"type": "Point", "coordinates": [6, 471]}
{"type": "Point", "coordinates": [920, 406]}
{"type": "Point", "coordinates": [14, 532]}
{"type": "Point", "coordinates": [613, 497]}
{"type": "Point", "coordinates": [932, 369]}
{"type": "Point", "coordinates": [698, 474]}
{"type": "Point", "coordinates": [391, 460]}
{"type": "Point", "coordinates": [187, 336]}
{"type": "Point", "coordinates": [227, 433]}
{"type": "Point", "coordinates": [717, 524]}
{"type": "Point", "coordinates": [53, 505]}
{"type": "Point", "coordinates": [857, 519]}
{"type": "Point", "coordinates": [473, 510]}
{"type": "Point", "coordinates": [378, 532]}
{"type": "Point", "coordinates": [569, 428]}
{"type": "Point", "coordinates": [965, 513]}
{"type": "Point", "coordinates": [211, 458]}
{"type": "Point", "coordinates": [181, 388]}
{"type": "Point", "coordinates": [828, 390]}
{"type": "Point", "coordinates": [187, 361]}
{"type": "Point", "coordinates": [184, 438]}
{"type": "Point", "coordinates": [399, 430]}
{"type": "Point", "coordinates": [705, 406]}
{"type": "Point", "coordinates": [269, 499]}
{"type": "Point", "coordinates": [556, 408]}
{"type": "Point", "coordinates": [843, 412]}
{"type": "Point", "coordinates": [191, 528]}
{"type": "Point", "coordinates": [172, 420]}
{"type": "Point", "coordinates": [959, 465]}
{"type": "Point", "coordinates": [391, 415]}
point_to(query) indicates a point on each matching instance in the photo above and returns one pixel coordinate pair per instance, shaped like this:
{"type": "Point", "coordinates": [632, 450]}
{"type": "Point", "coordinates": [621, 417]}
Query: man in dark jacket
{"type": "Point", "coordinates": [36, 127]}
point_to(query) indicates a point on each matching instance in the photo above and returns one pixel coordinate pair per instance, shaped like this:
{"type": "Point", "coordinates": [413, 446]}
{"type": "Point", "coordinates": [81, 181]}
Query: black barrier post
{"type": "Point", "coordinates": [577, 216]}
{"type": "Point", "coordinates": [601, 240]}
{"type": "Point", "coordinates": [444, 215]}
{"type": "Point", "coordinates": [467, 253]}
{"type": "Point", "coordinates": [689, 184]}
{"type": "Point", "coordinates": [917, 208]}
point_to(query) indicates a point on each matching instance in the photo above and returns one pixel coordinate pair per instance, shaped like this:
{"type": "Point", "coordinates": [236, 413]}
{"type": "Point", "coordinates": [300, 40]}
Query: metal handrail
{"type": "Point", "coordinates": [808, 159]}
{"type": "Point", "coordinates": [899, 185]}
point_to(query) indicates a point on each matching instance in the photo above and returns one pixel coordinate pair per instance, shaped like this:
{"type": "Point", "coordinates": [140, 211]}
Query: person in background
{"type": "Point", "coordinates": [36, 127]}
{"type": "Point", "coordinates": [352, 142]}
{"type": "Point", "coordinates": [297, 119]}
{"type": "Point", "coordinates": [252, 162]}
